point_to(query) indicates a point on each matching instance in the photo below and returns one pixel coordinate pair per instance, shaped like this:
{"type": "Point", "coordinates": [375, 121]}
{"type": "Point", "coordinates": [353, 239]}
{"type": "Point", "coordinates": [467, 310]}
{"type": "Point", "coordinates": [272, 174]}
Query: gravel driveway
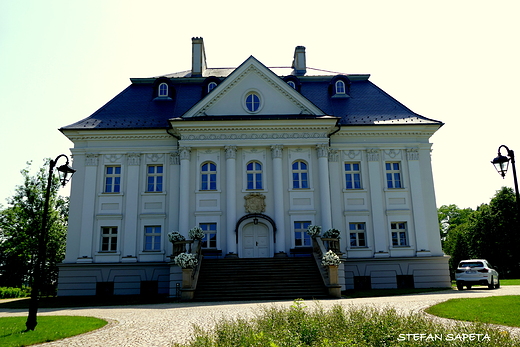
{"type": "Point", "coordinates": [163, 324]}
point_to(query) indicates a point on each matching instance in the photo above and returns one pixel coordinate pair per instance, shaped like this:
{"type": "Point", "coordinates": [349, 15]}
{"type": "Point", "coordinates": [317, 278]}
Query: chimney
{"type": "Point", "coordinates": [299, 64]}
{"type": "Point", "coordinates": [198, 57]}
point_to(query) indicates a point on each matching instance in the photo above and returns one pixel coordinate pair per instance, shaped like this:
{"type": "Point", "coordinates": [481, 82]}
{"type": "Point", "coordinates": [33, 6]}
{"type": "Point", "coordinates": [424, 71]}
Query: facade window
{"type": "Point", "coordinates": [301, 238]}
{"type": "Point", "coordinates": [254, 175]}
{"type": "Point", "coordinates": [352, 176]}
{"type": "Point", "coordinates": [399, 234]}
{"type": "Point", "coordinates": [340, 87]}
{"type": "Point", "coordinates": [109, 239]}
{"type": "Point", "coordinates": [210, 237]}
{"type": "Point", "coordinates": [163, 90]}
{"type": "Point", "coordinates": [211, 86]}
{"type": "Point", "coordinates": [113, 179]}
{"type": "Point", "coordinates": [393, 175]}
{"type": "Point", "coordinates": [208, 176]}
{"type": "Point", "coordinates": [253, 102]}
{"type": "Point", "coordinates": [357, 234]}
{"type": "Point", "coordinates": [292, 84]}
{"type": "Point", "coordinates": [300, 175]}
{"type": "Point", "coordinates": [152, 238]}
{"type": "Point", "coordinates": [154, 178]}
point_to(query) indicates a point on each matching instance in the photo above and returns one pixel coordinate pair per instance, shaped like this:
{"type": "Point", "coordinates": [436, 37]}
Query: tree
{"type": "Point", "coordinates": [453, 222]}
{"type": "Point", "coordinates": [20, 225]}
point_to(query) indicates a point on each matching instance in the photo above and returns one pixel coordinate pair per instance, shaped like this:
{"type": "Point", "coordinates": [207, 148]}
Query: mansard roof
{"type": "Point", "coordinates": [139, 107]}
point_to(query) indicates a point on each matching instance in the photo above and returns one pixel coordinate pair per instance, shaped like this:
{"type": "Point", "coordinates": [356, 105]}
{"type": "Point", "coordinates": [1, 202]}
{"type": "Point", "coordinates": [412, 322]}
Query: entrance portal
{"type": "Point", "coordinates": [255, 241]}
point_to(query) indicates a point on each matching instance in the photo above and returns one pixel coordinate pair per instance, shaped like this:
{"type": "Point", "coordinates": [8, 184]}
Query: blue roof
{"type": "Point", "coordinates": [136, 107]}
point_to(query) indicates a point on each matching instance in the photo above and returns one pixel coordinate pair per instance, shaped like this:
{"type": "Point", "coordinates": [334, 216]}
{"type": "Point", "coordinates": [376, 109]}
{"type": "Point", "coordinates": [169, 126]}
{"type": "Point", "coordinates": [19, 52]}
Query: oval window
{"type": "Point", "coordinates": [252, 102]}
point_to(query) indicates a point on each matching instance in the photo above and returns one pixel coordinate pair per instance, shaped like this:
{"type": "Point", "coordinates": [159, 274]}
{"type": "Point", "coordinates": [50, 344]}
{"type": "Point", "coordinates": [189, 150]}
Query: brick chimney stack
{"type": "Point", "coordinates": [299, 63]}
{"type": "Point", "coordinates": [198, 57]}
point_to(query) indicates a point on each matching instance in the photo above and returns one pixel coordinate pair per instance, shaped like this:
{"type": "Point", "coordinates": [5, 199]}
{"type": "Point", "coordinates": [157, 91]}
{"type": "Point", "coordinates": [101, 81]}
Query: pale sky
{"type": "Point", "coordinates": [455, 61]}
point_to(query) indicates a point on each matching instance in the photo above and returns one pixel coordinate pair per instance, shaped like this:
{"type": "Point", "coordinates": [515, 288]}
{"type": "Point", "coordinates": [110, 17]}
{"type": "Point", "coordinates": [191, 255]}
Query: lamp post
{"type": "Point", "coordinates": [501, 163]}
{"type": "Point", "coordinates": [64, 171]}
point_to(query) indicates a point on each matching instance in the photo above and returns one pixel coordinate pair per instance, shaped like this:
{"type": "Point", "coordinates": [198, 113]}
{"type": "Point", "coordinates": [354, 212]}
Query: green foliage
{"type": "Point", "coordinates": [502, 310]}
{"type": "Point", "coordinates": [9, 292]}
{"type": "Point", "coordinates": [491, 232]}
{"type": "Point", "coordinates": [20, 225]}
{"type": "Point", "coordinates": [50, 328]}
{"type": "Point", "coordinates": [299, 326]}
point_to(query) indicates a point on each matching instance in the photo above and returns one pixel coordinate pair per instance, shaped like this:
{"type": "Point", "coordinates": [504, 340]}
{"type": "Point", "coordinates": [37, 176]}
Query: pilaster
{"type": "Point", "coordinates": [231, 198]}
{"type": "Point", "coordinates": [279, 210]}
{"type": "Point", "coordinates": [184, 191]}
{"type": "Point", "coordinates": [323, 173]}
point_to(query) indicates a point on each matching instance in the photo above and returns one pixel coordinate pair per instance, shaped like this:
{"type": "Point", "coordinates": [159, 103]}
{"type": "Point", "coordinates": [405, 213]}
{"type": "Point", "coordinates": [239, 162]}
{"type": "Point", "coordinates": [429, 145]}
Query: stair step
{"type": "Point", "coordinates": [259, 279]}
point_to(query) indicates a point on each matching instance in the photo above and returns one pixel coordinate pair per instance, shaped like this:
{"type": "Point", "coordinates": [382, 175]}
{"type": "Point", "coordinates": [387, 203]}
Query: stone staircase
{"type": "Point", "coordinates": [260, 279]}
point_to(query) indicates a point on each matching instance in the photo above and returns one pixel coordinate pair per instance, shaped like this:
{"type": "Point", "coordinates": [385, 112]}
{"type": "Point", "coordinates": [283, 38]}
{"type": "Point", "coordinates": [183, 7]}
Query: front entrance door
{"type": "Point", "coordinates": [255, 241]}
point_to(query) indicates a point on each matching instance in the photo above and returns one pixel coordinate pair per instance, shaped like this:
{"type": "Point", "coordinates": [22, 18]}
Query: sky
{"type": "Point", "coordinates": [455, 61]}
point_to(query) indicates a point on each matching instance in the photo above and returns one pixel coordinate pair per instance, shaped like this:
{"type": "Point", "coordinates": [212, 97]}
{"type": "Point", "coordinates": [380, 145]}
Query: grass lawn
{"type": "Point", "coordinates": [49, 328]}
{"type": "Point", "coordinates": [515, 282]}
{"type": "Point", "coordinates": [502, 310]}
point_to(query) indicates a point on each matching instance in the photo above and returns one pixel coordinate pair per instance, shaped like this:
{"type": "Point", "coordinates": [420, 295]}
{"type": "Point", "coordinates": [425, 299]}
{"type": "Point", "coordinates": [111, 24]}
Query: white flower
{"type": "Point", "coordinates": [314, 230]}
{"type": "Point", "coordinates": [175, 236]}
{"type": "Point", "coordinates": [330, 258]}
{"type": "Point", "coordinates": [186, 260]}
{"type": "Point", "coordinates": [196, 233]}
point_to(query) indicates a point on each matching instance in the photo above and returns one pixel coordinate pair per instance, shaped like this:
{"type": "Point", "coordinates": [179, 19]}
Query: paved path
{"type": "Point", "coordinates": [162, 324]}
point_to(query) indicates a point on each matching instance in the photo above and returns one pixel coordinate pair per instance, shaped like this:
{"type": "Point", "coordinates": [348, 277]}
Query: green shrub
{"type": "Point", "coordinates": [9, 292]}
{"type": "Point", "coordinates": [299, 326]}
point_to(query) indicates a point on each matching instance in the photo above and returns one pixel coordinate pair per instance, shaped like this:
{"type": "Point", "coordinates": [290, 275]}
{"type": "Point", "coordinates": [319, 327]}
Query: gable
{"type": "Point", "coordinates": [274, 96]}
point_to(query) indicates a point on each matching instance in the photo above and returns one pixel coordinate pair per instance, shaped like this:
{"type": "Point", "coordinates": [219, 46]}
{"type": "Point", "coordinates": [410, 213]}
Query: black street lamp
{"type": "Point", "coordinates": [501, 163]}
{"type": "Point", "coordinates": [64, 171]}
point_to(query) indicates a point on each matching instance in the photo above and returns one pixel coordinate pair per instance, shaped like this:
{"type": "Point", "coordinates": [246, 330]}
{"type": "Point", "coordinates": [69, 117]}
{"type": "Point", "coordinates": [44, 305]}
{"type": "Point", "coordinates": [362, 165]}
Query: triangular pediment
{"type": "Point", "coordinates": [275, 96]}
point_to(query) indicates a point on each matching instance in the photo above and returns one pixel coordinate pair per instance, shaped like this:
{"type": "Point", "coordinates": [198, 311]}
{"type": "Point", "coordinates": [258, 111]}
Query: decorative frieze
{"type": "Point", "coordinates": [373, 154]}
{"type": "Point", "coordinates": [155, 157]}
{"type": "Point", "coordinates": [351, 154]}
{"type": "Point", "coordinates": [113, 158]}
{"type": "Point", "coordinates": [91, 159]}
{"type": "Point", "coordinates": [133, 159]}
{"type": "Point", "coordinates": [276, 151]}
{"type": "Point", "coordinates": [231, 152]}
{"type": "Point", "coordinates": [412, 153]}
{"type": "Point", "coordinates": [174, 158]}
{"type": "Point", "coordinates": [392, 153]}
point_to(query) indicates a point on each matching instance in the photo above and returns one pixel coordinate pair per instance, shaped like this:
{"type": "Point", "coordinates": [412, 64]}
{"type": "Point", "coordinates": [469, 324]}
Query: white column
{"type": "Point", "coordinates": [381, 238]}
{"type": "Point", "coordinates": [323, 173]}
{"type": "Point", "coordinates": [130, 235]}
{"type": "Point", "coordinates": [184, 191]}
{"type": "Point", "coordinates": [87, 232]}
{"type": "Point", "coordinates": [416, 190]}
{"type": "Point", "coordinates": [231, 198]}
{"type": "Point", "coordinates": [279, 210]}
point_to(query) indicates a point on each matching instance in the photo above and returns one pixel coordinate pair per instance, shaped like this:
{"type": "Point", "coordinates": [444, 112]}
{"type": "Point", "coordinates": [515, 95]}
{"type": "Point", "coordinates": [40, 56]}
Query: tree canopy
{"type": "Point", "coordinates": [20, 225]}
{"type": "Point", "coordinates": [490, 232]}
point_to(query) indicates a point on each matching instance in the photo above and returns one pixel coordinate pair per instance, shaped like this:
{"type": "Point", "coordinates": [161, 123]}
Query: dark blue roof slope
{"type": "Point", "coordinates": [137, 108]}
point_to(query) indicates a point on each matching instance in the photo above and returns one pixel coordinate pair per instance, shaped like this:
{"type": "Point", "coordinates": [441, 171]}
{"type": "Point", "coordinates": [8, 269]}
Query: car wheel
{"type": "Point", "coordinates": [491, 285]}
{"type": "Point", "coordinates": [460, 286]}
{"type": "Point", "coordinates": [469, 287]}
{"type": "Point", "coordinates": [498, 284]}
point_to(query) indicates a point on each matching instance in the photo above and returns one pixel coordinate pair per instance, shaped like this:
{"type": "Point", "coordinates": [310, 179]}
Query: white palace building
{"type": "Point", "coordinates": [252, 155]}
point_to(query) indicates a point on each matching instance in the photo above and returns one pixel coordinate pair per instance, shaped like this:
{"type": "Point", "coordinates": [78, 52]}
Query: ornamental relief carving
{"type": "Point", "coordinates": [373, 154]}
{"type": "Point", "coordinates": [254, 203]}
{"type": "Point", "coordinates": [254, 136]}
{"type": "Point", "coordinates": [412, 153]}
{"type": "Point", "coordinates": [91, 159]}
{"type": "Point", "coordinates": [392, 154]}
{"type": "Point", "coordinates": [133, 159]}
{"type": "Point", "coordinates": [351, 154]}
{"type": "Point", "coordinates": [155, 157]}
{"type": "Point", "coordinates": [113, 158]}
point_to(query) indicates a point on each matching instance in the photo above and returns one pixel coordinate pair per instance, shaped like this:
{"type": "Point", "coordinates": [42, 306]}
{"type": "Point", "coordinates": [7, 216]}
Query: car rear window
{"type": "Point", "coordinates": [471, 264]}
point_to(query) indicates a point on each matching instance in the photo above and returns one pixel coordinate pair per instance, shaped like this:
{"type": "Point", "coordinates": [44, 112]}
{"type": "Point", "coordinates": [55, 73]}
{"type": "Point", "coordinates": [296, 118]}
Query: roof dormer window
{"type": "Point", "coordinates": [340, 87]}
{"type": "Point", "coordinates": [163, 90]}
{"type": "Point", "coordinates": [292, 84]}
{"type": "Point", "coordinates": [211, 86]}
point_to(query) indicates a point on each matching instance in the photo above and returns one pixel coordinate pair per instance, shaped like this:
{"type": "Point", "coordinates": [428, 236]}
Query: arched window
{"type": "Point", "coordinates": [254, 175]}
{"type": "Point", "coordinates": [340, 87]}
{"type": "Point", "coordinates": [163, 90]}
{"type": "Point", "coordinates": [300, 175]}
{"type": "Point", "coordinates": [211, 86]}
{"type": "Point", "coordinates": [252, 102]}
{"type": "Point", "coordinates": [292, 84]}
{"type": "Point", "coordinates": [208, 176]}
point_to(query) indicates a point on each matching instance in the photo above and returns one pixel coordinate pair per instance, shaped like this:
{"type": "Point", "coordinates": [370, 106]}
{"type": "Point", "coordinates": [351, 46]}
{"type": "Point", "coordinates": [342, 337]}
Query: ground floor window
{"type": "Point", "coordinates": [210, 235]}
{"type": "Point", "coordinates": [357, 234]}
{"type": "Point", "coordinates": [399, 234]}
{"type": "Point", "coordinates": [301, 238]}
{"type": "Point", "coordinates": [152, 238]}
{"type": "Point", "coordinates": [109, 239]}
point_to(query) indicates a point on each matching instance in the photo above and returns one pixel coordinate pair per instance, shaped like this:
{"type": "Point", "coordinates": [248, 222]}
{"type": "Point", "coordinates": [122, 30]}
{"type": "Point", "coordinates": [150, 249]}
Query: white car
{"type": "Point", "coordinates": [476, 272]}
